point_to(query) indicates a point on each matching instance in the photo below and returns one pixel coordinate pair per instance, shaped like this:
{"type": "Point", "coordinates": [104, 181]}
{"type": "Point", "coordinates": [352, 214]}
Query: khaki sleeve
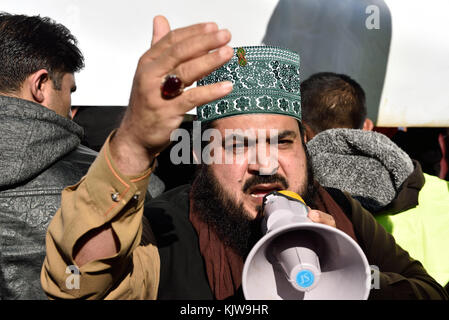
{"type": "Point", "coordinates": [103, 196]}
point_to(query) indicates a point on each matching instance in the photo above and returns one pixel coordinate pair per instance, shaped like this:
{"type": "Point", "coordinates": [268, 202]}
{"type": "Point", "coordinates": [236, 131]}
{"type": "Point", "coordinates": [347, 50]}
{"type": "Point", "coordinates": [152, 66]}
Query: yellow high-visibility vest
{"type": "Point", "coordinates": [423, 231]}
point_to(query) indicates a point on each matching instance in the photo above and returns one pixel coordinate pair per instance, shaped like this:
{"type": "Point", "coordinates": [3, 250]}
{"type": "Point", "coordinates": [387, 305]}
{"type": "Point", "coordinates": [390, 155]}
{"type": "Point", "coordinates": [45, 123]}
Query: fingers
{"type": "Point", "coordinates": [321, 217]}
{"type": "Point", "coordinates": [160, 28]}
{"type": "Point", "coordinates": [197, 68]}
{"type": "Point", "coordinates": [196, 47]}
{"type": "Point", "coordinates": [172, 37]}
{"type": "Point", "coordinates": [202, 95]}
{"type": "Point", "coordinates": [191, 52]}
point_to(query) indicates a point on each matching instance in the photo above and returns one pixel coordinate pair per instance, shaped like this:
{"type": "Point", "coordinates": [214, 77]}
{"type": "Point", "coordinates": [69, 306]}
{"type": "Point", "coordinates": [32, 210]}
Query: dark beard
{"type": "Point", "coordinates": [231, 222]}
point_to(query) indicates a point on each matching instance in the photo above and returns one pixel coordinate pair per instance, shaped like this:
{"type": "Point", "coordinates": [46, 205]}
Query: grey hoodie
{"type": "Point", "coordinates": [39, 156]}
{"type": "Point", "coordinates": [366, 164]}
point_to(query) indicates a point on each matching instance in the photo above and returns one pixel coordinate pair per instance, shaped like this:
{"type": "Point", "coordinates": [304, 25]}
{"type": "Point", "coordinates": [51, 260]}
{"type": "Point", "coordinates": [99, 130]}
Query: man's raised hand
{"type": "Point", "coordinates": [190, 53]}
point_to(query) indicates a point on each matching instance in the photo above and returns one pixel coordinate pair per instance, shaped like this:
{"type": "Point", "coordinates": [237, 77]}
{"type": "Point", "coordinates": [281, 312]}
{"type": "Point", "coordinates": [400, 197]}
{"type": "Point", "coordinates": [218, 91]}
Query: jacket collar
{"type": "Point", "coordinates": [407, 196]}
{"type": "Point", "coordinates": [32, 138]}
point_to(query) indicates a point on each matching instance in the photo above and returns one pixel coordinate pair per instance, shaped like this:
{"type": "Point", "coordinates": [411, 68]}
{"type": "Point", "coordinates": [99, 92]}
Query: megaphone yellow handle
{"type": "Point", "coordinates": [291, 194]}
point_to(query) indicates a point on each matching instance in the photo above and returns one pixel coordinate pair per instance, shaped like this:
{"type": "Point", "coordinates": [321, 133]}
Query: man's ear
{"type": "Point", "coordinates": [368, 125]}
{"type": "Point", "coordinates": [308, 132]}
{"type": "Point", "coordinates": [38, 83]}
{"type": "Point", "coordinates": [73, 111]}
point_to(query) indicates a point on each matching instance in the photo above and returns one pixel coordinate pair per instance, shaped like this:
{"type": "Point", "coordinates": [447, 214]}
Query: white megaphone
{"type": "Point", "coordinates": [298, 259]}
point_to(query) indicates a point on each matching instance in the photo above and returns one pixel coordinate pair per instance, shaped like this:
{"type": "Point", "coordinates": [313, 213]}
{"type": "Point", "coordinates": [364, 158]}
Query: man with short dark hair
{"type": "Point", "coordinates": [40, 145]}
{"type": "Point", "coordinates": [331, 100]}
{"type": "Point", "coordinates": [40, 151]}
{"type": "Point", "coordinates": [38, 59]}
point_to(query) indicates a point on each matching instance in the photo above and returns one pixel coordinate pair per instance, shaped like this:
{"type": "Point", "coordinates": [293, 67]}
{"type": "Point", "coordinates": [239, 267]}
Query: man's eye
{"type": "Point", "coordinates": [239, 148]}
{"type": "Point", "coordinates": [284, 141]}
{"type": "Point", "coordinates": [234, 147]}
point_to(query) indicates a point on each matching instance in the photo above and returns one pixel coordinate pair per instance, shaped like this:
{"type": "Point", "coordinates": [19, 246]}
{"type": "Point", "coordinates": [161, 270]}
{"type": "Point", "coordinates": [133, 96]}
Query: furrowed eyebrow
{"type": "Point", "coordinates": [237, 138]}
{"type": "Point", "coordinates": [284, 134]}
{"type": "Point", "coordinates": [244, 138]}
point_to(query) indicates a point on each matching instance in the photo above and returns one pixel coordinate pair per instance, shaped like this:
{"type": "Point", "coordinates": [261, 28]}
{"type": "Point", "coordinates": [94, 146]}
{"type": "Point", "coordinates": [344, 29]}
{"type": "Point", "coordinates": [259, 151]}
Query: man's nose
{"type": "Point", "coordinates": [263, 160]}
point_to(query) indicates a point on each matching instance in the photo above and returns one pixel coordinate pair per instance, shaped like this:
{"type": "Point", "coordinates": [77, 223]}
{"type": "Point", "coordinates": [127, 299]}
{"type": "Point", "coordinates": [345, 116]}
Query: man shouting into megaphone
{"type": "Point", "coordinates": [191, 242]}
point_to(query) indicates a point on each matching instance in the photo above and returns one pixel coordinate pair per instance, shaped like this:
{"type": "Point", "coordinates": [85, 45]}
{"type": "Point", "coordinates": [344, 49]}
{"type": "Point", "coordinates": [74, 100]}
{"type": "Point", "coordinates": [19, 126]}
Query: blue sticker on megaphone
{"type": "Point", "coordinates": [305, 278]}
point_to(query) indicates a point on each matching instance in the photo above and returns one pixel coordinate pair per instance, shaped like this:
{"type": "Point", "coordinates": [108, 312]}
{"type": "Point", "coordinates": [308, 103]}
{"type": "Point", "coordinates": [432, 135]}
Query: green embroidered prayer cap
{"type": "Point", "coordinates": [265, 79]}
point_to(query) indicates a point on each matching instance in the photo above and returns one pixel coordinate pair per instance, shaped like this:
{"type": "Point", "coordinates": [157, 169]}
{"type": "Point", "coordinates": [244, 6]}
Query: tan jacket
{"type": "Point", "coordinates": [102, 196]}
{"type": "Point", "coordinates": [106, 196]}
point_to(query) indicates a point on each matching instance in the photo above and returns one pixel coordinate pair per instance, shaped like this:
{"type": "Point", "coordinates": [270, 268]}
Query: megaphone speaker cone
{"type": "Point", "coordinates": [306, 261]}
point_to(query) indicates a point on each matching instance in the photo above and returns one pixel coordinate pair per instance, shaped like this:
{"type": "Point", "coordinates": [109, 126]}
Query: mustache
{"type": "Point", "coordinates": [255, 180]}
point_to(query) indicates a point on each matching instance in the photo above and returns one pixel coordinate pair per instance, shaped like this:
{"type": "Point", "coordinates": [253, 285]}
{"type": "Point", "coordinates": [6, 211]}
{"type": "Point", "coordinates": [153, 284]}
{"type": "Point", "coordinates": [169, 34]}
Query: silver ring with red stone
{"type": "Point", "coordinates": [171, 86]}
